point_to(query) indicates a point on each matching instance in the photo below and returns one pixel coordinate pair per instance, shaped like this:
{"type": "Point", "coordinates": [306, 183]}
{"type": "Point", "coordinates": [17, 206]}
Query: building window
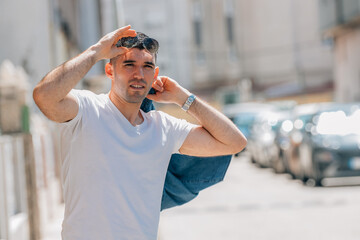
{"type": "Point", "coordinates": [198, 31]}
{"type": "Point", "coordinates": [229, 20]}
{"type": "Point", "coordinates": [197, 22]}
{"type": "Point", "coordinates": [229, 26]}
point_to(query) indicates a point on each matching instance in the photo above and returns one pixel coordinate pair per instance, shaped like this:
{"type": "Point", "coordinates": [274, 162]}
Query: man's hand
{"type": "Point", "coordinates": [168, 91]}
{"type": "Point", "coordinates": [106, 49]}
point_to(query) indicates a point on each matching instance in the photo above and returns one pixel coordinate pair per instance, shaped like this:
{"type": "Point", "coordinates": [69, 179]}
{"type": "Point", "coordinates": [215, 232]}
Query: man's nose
{"type": "Point", "coordinates": [139, 73]}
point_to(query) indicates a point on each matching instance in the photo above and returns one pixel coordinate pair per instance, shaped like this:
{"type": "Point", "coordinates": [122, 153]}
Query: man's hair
{"type": "Point", "coordinates": [138, 43]}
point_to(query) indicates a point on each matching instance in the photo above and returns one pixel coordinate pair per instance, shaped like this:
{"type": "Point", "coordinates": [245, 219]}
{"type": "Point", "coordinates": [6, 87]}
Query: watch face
{"type": "Point", "coordinates": [188, 102]}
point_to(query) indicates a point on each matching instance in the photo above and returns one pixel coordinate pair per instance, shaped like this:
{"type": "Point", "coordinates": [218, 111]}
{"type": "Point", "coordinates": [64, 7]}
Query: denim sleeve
{"type": "Point", "coordinates": [188, 175]}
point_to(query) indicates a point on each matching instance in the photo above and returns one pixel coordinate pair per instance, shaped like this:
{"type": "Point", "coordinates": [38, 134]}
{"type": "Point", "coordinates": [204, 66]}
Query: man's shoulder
{"type": "Point", "coordinates": [87, 96]}
{"type": "Point", "coordinates": [85, 93]}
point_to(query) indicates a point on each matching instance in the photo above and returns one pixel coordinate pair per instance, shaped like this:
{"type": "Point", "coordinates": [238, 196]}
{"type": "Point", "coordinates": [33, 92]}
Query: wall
{"type": "Point", "coordinates": [215, 58]}
{"type": "Point", "coordinates": [281, 41]}
{"type": "Point", "coordinates": [347, 71]}
{"type": "Point", "coordinates": [167, 22]}
{"type": "Point", "coordinates": [21, 42]}
{"type": "Point", "coordinates": [340, 21]}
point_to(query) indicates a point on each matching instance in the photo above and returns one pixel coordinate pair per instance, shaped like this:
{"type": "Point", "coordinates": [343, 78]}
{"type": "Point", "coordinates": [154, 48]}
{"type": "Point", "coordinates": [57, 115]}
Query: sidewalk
{"type": "Point", "coordinates": [256, 203]}
{"type": "Point", "coordinates": [51, 211]}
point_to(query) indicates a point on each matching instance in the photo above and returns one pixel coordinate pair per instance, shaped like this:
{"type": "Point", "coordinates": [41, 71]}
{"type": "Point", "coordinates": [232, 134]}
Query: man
{"type": "Point", "coordinates": [115, 155]}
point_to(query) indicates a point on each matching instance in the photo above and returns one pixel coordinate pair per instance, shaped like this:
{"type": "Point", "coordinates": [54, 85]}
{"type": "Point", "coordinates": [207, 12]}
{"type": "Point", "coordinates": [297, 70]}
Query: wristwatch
{"type": "Point", "coordinates": [188, 102]}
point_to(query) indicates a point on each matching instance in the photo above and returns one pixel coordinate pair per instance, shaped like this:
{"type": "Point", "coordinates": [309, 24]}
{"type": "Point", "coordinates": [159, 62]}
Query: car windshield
{"type": "Point", "coordinates": [302, 122]}
{"type": "Point", "coordinates": [245, 119]}
{"type": "Point", "coordinates": [338, 123]}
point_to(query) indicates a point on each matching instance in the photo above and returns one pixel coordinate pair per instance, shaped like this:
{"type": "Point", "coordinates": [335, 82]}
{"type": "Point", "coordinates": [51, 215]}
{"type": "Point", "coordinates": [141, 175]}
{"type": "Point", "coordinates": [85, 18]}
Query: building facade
{"type": "Point", "coordinates": [238, 46]}
{"type": "Point", "coordinates": [36, 36]}
{"type": "Point", "coordinates": [275, 45]}
{"type": "Point", "coordinates": [340, 21]}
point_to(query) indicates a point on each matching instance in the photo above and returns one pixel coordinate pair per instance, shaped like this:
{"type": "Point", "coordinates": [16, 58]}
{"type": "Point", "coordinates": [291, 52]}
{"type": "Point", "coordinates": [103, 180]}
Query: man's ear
{"type": "Point", "coordinates": [109, 70]}
{"type": "Point", "coordinates": [156, 73]}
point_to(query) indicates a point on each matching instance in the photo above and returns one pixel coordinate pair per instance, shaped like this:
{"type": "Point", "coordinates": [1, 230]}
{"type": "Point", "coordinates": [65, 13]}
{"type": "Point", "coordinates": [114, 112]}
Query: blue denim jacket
{"type": "Point", "coordinates": [188, 175]}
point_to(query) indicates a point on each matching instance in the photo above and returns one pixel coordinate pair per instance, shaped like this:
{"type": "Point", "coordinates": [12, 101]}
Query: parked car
{"type": "Point", "coordinates": [331, 143]}
{"type": "Point", "coordinates": [282, 142]}
{"type": "Point", "coordinates": [264, 150]}
{"type": "Point", "coordinates": [244, 114]}
{"type": "Point", "coordinates": [263, 141]}
{"type": "Point", "coordinates": [291, 135]}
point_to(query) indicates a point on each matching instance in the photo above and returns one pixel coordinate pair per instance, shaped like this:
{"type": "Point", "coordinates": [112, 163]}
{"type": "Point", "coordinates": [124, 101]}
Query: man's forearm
{"type": "Point", "coordinates": [58, 83]}
{"type": "Point", "coordinates": [218, 125]}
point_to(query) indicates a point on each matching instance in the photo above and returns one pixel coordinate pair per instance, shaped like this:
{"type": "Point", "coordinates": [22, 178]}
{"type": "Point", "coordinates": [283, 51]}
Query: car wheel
{"type": "Point", "coordinates": [316, 178]}
{"type": "Point", "coordinates": [311, 182]}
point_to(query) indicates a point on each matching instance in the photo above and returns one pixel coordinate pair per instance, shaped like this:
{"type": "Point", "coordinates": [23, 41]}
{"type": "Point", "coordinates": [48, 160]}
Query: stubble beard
{"type": "Point", "coordinates": [130, 95]}
{"type": "Point", "coordinates": [136, 97]}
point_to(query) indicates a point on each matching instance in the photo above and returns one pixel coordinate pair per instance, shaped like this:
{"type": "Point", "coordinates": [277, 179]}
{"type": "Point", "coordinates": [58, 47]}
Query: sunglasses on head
{"type": "Point", "coordinates": [149, 44]}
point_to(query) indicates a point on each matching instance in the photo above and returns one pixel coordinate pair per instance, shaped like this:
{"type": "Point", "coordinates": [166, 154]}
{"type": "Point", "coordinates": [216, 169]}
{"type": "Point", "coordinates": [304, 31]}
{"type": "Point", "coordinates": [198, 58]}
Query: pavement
{"type": "Point", "coordinates": [254, 203]}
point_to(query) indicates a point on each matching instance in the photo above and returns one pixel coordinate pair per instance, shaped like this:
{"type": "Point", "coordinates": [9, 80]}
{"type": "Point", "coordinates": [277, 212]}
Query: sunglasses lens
{"type": "Point", "coordinates": [127, 42]}
{"type": "Point", "coordinates": [151, 45]}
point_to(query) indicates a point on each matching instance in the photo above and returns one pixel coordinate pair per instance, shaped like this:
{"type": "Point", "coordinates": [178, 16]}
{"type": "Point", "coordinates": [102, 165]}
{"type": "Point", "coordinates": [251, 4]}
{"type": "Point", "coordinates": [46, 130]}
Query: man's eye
{"type": "Point", "coordinates": [149, 66]}
{"type": "Point", "coordinates": [129, 65]}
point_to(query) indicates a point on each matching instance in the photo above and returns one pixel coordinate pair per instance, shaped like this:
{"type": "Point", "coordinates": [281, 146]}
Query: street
{"type": "Point", "coordinates": [254, 203]}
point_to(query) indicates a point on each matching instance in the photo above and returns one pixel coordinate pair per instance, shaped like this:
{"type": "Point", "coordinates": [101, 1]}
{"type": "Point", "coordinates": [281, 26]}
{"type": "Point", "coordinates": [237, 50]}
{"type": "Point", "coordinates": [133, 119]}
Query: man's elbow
{"type": "Point", "coordinates": [38, 96]}
{"type": "Point", "coordinates": [43, 102]}
{"type": "Point", "coordinates": [239, 145]}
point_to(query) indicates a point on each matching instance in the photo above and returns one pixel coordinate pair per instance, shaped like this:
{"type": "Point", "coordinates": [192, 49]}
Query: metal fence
{"type": "Point", "coordinates": [14, 218]}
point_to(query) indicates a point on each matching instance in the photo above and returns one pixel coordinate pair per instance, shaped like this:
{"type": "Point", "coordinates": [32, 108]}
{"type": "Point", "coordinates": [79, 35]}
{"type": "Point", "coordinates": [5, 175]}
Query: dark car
{"type": "Point", "coordinates": [331, 143]}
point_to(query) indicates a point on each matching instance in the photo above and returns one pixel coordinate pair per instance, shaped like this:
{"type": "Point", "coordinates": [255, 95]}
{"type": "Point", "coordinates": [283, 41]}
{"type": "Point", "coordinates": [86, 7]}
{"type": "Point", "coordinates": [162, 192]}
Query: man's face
{"type": "Point", "coordinates": [134, 74]}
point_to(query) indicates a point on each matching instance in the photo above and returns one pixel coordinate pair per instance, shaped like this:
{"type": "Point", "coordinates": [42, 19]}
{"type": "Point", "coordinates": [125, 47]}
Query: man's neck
{"type": "Point", "coordinates": [131, 111]}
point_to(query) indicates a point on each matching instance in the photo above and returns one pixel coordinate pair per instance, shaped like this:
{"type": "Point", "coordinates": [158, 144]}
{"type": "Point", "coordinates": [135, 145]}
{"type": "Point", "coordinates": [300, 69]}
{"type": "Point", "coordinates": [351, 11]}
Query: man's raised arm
{"type": "Point", "coordinates": [52, 96]}
{"type": "Point", "coordinates": [216, 135]}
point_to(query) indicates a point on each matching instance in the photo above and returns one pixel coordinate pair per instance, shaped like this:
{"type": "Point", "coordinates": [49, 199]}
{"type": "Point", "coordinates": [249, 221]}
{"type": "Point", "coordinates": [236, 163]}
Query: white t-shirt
{"type": "Point", "coordinates": [112, 172]}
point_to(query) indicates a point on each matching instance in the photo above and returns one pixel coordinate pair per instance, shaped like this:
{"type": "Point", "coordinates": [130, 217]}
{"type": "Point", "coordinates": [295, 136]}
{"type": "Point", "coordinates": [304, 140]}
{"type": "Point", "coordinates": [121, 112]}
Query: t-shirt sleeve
{"type": "Point", "coordinates": [179, 130]}
{"type": "Point", "coordinates": [81, 97]}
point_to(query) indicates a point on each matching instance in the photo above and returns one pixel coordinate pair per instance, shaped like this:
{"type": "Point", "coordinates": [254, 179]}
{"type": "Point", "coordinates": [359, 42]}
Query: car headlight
{"type": "Point", "coordinates": [268, 138]}
{"type": "Point", "coordinates": [297, 137]}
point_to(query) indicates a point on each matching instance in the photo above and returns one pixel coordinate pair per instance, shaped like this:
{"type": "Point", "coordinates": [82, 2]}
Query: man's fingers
{"type": "Point", "coordinates": [121, 50]}
{"type": "Point", "coordinates": [153, 97]}
{"type": "Point", "coordinates": [163, 79]}
{"type": "Point", "coordinates": [124, 32]}
{"type": "Point", "coordinates": [158, 85]}
{"type": "Point", "coordinates": [119, 31]}
{"type": "Point", "coordinates": [130, 33]}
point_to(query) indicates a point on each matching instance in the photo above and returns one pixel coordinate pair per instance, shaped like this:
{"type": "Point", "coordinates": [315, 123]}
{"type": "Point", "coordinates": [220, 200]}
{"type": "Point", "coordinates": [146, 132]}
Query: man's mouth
{"type": "Point", "coordinates": [135, 86]}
